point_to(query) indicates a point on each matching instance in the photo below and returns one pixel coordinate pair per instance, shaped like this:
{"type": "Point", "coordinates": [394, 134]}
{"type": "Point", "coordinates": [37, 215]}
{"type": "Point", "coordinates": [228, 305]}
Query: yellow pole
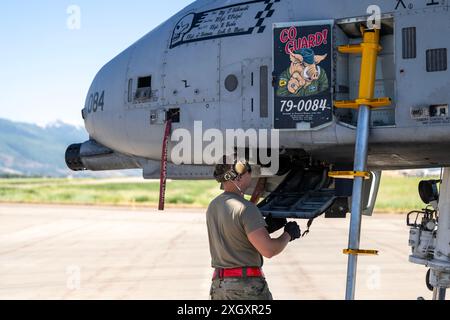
{"type": "Point", "coordinates": [370, 50]}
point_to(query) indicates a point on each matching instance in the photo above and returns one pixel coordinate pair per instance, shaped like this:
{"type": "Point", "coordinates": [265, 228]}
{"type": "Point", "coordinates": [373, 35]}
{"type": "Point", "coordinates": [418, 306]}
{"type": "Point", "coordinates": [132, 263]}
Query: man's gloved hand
{"type": "Point", "coordinates": [293, 229]}
{"type": "Point", "coordinates": [274, 224]}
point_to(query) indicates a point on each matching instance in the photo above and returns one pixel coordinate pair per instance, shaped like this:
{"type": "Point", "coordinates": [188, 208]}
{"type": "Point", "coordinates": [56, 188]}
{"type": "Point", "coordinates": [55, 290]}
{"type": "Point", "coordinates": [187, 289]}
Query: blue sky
{"type": "Point", "coordinates": [46, 68]}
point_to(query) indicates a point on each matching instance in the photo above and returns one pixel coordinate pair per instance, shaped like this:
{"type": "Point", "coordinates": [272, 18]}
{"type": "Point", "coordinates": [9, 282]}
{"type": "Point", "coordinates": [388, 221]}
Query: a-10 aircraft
{"type": "Point", "coordinates": [345, 89]}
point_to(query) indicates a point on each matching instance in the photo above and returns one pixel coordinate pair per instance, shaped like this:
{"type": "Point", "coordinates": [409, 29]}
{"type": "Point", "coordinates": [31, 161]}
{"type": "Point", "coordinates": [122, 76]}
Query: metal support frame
{"type": "Point", "coordinates": [440, 264]}
{"type": "Point", "coordinates": [361, 148]}
{"type": "Point", "coordinates": [369, 49]}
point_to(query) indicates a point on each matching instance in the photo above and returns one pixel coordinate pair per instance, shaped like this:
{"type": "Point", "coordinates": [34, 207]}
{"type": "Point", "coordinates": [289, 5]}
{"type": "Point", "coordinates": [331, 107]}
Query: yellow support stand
{"type": "Point", "coordinates": [349, 174]}
{"type": "Point", "coordinates": [361, 252]}
{"type": "Point", "coordinates": [369, 49]}
{"type": "Point", "coordinates": [354, 104]}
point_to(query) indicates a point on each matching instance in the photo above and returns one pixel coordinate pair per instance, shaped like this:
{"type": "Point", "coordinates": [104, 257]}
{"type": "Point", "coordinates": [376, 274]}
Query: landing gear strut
{"type": "Point", "coordinates": [430, 238]}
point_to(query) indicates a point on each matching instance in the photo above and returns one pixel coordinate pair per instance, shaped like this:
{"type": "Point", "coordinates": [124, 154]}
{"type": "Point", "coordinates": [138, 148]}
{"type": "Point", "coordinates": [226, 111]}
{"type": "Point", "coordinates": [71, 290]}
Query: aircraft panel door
{"type": "Point", "coordinates": [186, 79]}
{"type": "Point", "coordinates": [303, 65]}
{"type": "Point", "coordinates": [256, 94]}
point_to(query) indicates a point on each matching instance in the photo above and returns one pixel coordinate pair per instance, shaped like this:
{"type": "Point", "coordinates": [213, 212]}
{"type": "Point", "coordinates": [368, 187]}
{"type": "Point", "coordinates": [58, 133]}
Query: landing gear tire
{"type": "Point", "coordinates": [427, 281]}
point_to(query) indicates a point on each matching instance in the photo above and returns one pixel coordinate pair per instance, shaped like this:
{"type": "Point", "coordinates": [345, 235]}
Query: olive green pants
{"type": "Point", "coordinates": [251, 288]}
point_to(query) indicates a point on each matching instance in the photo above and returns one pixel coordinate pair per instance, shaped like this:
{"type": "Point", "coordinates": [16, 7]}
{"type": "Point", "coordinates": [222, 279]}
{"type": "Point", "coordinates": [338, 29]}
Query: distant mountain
{"type": "Point", "coordinates": [28, 149]}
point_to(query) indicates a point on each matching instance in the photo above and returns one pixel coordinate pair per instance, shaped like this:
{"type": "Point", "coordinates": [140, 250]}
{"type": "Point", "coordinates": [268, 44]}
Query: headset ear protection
{"type": "Point", "coordinates": [239, 168]}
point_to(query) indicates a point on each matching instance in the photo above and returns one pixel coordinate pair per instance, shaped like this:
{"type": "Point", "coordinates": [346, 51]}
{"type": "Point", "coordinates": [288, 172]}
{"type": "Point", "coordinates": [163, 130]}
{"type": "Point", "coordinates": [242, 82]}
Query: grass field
{"type": "Point", "coordinates": [104, 192]}
{"type": "Point", "coordinates": [397, 193]}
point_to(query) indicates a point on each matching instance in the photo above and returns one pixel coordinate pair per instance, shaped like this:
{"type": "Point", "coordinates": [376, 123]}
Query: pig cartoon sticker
{"type": "Point", "coordinates": [303, 72]}
{"type": "Point", "coordinates": [304, 77]}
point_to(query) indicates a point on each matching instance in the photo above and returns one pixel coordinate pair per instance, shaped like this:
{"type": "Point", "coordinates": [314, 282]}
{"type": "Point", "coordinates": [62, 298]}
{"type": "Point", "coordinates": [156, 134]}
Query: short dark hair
{"type": "Point", "coordinates": [230, 169]}
{"type": "Point", "coordinates": [220, 171]}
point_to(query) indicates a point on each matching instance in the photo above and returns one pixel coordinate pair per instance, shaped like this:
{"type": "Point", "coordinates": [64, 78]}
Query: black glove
{"type": "Point", "coordinates": [293, 229]}
{"type": "Point", "coordinates": [274, 224]}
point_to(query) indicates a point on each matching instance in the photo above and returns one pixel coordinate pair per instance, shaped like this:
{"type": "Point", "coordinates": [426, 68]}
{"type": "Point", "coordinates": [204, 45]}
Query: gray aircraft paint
{"type": "Point", "coordinates": [188, 71]}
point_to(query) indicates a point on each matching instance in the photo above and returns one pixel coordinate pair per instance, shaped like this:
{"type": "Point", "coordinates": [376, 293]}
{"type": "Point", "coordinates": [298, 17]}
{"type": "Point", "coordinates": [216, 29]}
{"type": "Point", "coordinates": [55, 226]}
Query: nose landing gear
{"type": "Point", "coordinates": [429, 238]}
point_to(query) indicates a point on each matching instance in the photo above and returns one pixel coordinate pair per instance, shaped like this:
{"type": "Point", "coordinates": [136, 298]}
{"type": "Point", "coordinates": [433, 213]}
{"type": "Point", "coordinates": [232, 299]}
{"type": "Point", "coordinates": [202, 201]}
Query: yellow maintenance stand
{"type": "Point", "coordinates": [369, 49]}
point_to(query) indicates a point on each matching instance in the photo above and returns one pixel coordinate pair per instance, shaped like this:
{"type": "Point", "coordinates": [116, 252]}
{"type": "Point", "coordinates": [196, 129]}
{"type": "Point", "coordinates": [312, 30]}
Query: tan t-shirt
{"type": "Point", "coordinates": [230, 218]}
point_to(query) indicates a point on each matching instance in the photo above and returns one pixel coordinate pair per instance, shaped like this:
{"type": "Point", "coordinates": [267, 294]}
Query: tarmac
{"type": "Point", "coordinates": [76, 252]}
